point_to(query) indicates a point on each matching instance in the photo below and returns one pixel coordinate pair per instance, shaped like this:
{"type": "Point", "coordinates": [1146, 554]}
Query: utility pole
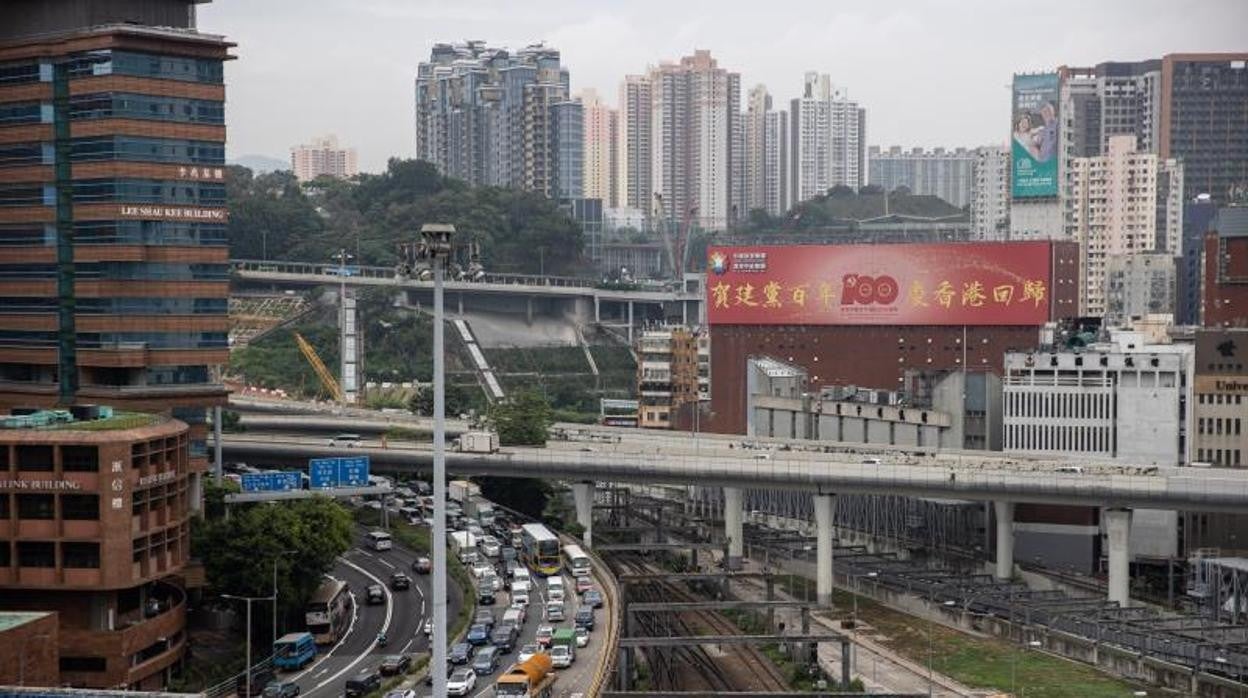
{"type": "Point", "coordinates": [249, 599]}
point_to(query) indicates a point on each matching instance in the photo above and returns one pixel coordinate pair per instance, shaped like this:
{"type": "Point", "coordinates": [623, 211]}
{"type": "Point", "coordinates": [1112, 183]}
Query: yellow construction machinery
{"type": "Point", "coordinates": [327, 378]}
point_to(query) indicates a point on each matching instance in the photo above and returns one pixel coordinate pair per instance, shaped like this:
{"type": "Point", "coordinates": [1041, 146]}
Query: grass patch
{"type": "Point", "coordinates": [407, 434]}
{"type": "Point", "coordinates": [978, 662]}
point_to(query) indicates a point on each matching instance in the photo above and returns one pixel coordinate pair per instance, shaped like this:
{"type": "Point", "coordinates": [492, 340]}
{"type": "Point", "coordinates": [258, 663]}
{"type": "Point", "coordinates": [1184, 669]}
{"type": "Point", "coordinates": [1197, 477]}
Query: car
{"type": "Point", "coordinates": [485, 594]}
{"type": "Point", "coordinates": [395, 664]}
{"type": "Point", "coordinates": [401, 693]}
{"type": "Point", "coordinates": [489, 545]}
{"type": "Point", "coordinates": [561, 656]}
{"type": "Point", "coordinates": [362, 684]}
{"type": "Point", "coordinates": [582, 636]}
{"type": "Point", "coordinates": [592, 598]}
{"type": "Point", "coordinates": [461, 682]}
{"type": "Point", "coordinates": [527, 652]}
{"type": "Point", "coordinates": [520, 598]}
{"type": "Point", "coordinates": [515, 615]}
{"type": "Point", "coordinates": [422, 565]}
{"type": "Point", "coordinates": [428, 629]}
{"type": "Point", "coordinates": [375, 594]}
{"type": "Point", "coordinates": [554, 612]}
{"type": "Point", "coordinates": [281, 689]}
{"type": "Point", "coordinates": [508, 554]}
{"type": "Point", "coordinates": [480, 568]}
{"type": "Point", "coordinates": [400, 581]}
{"type": "Point", "coordinates": [544, 634]}
{"type": "Point", "coordinates": [583, 584]}
{"type": "Point", "coordinates": [584, 618]}
{"type": "Point", "coordinates": [485, 617]}
{"type": "Point", "coordinates": [461, 653]}
{"type": "Point", "coordinates": [486, 661]}
{"type": "Point", "coordinates": [429, 676]}
{"type": "Point", "coordinates": [260, 679]}
{"type": "Point", "coordinates": [348, 440]}
{"type": "Point", "coordinates": [504, 638]}
{"type": "Point", "coordinates": [478, 635]}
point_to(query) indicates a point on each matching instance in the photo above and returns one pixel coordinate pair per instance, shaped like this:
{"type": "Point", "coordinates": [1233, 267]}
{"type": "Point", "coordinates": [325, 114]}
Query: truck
{"type": "Point", "coordinates": [479, 509]}
{"type": "Point", "coordinates": [476, 442]}
{"type": "Point", "coordinates": [461, 490]}
{"type": "Point", "coordinates": [462, 542]}
{"type": "Point", "coordinates": [532, 678]}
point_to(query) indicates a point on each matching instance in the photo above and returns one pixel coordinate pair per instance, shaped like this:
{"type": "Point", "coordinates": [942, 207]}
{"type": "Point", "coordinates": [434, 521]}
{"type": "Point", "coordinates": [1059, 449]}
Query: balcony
{"type": "Point", "coordinates": [136, 631]}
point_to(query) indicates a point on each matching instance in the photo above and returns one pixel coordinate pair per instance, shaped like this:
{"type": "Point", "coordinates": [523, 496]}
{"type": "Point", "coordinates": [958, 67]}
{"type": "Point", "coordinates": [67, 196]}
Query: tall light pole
{"type": "Point", "coordinates": [249, 599]}
{"type": "Point", "coordinates": [436, 248]}
{"type": "Point", "coordinates": [280, 553]}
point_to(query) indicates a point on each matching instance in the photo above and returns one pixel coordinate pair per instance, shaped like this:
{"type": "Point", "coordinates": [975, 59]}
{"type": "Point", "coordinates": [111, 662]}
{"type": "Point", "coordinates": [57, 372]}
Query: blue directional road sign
{"type": "Point", "coordinates": [327, 473]}
{"type": "Point", "coordinates": [272, 482]}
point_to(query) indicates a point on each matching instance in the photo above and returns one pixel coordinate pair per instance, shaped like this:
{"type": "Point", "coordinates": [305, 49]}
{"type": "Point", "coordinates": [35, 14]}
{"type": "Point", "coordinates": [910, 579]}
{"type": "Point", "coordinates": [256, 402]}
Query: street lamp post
{"type": "Point", "coordinates": [436, 248]}
{"type": "Point", "coordinates": [249, 599]}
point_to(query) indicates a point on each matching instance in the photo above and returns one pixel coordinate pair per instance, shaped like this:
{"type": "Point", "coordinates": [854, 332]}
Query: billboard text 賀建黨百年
{"type": "Point", "coordinates": [921, 284]}
{"type": "Point", "coordinates": [1034, 135]}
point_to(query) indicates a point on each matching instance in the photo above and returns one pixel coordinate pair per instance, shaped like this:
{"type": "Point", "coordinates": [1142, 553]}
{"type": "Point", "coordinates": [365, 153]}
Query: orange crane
{"type": "Point", "coordinates": [327, 378]}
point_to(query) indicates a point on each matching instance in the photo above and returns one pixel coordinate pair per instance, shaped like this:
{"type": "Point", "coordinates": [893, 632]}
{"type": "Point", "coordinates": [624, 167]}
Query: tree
{"type": "Point", "coordinates": [239, 552]}
{"type": "Point", "coordinates": [521, 420]}
{"type": "Point", "coordinates": [458, 400]}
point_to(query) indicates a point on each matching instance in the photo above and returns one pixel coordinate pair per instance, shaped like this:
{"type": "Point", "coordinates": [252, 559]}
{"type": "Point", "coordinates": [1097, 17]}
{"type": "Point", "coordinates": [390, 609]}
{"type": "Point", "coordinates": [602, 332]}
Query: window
{"type": "Point", "coordinates": [147, 65]}
{"type": "Point", "coordinates": [19, 73]}
{"type": "Point", "coordinates": [180, 151]}
{"type": "Point", "coordinates": [80, 555]}
{"type": "Point", "coordinates": [36, 554]}
{"type": "Point", "coordinates": [153, 191]}
{"type": "Point", "coordinates": [6, 555]}
{"type": "Point", "coordinates": [149, 306]}
{"type": "Point", "coordinates": [35, 506]}
{"type": "Point", "coordinates": [22, 113]}
{"type": "Point", "coordinates": [80, 507]}
{"type": "Point", "coordinates": [4, 507]}
{"type": "Point", "coordinates": [80, 459]}
{"type": "Point", "coordinates": [121, 105]}
{"type": "Point", "coordinates": [25, 154]}
{"type": "Point", "coordinates": [84, 664]}
{"type": "Point", "coordinates": [34, 458]}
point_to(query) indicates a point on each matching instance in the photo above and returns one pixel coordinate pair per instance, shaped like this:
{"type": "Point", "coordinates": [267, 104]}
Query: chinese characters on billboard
{"type": "Point", "coordinates": [949, 284]}
{"type": "Point", "coordinates": [1034, 136]}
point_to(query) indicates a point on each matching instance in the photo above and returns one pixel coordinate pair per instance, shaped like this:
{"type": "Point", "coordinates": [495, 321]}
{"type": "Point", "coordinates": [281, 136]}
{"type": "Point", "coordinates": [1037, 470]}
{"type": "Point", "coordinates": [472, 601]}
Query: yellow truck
{"type": "Point", "coordinates": [532, 678]}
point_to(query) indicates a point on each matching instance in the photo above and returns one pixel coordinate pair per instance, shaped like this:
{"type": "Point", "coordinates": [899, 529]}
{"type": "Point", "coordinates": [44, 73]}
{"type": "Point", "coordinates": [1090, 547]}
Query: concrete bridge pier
{"type": "Point", "coordinates": [1118, 535]}
{"type": "Point", "coordinates": [1005, 539]}
{"type": "Point", "coordinates": [583, 495]}
{"type": "Point", "coordinates": [825, 516]}
{"type": "Point", "coordinates": [734, 504]}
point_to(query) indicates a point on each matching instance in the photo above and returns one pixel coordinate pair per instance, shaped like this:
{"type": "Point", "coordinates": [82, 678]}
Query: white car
{"type": "Point", "coordinates": [520, 598]}
{"type": "Point", "coordinates": [555, 594]}
{"type": "Point", "coordinates": [527, 652]}
{"type": "Point", "coordinates": [582, 636]}
{"type": "Point", "coordinates": [489, 545]}
{"type": "Point", "coordinates": [481, 568]}
{"type": "Point", "coordinates": [428, 629]}
{"type": "Point", "coordinates": [402, 693]}
{"type": "Point", "coordinates": [561, 656]}
{"type": "Point", "coordinates": [461, 682]}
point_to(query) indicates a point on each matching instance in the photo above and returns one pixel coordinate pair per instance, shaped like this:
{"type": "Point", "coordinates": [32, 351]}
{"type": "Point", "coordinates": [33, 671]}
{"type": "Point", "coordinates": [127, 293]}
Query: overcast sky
{"type": "Point", "coordinates": [929, 72]}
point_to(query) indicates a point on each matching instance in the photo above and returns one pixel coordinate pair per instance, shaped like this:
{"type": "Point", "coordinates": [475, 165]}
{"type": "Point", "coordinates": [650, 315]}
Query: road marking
{"type": "Point", "coordinates": [409, 644]}
{"type": "Point", "coordinates": [320, 673]}
{"type": "Point", "coordinates": [385, 625]}
{"type": "Point", "coordinates": [385, 562]}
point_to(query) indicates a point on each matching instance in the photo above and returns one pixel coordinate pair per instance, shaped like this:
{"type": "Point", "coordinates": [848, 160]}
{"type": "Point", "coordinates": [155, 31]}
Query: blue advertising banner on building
{"type": "Point", "coordinates": [327, 473]}
{"type": "Point", "coordinates": [272, 482]}
{"type": "Point", "coordinates": [1035, 135]}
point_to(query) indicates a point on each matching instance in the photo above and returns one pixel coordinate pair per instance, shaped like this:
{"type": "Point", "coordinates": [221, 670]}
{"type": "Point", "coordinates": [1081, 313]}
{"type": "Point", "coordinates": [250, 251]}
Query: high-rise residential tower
{"type": "Point", "coordinates": [776, 162]}
{"type": "Point", "coordinates": [754, 137]}
{"type": "Point", "coordinates": [827, 140]}
{"type": "Point", "coordinates": [323, 157]}
{"type": "Point", "coordinates": [990, 193]}
{"type": "Point", "coordinates": [947, 174]}
{"type": "Point", "coordinates": [491, 116]}
{"type": "Point", "coordinates": [696, 106]}
{"type": "Point", "coordinates": [636, 137]}
{"type": "Point", "coordinates": [601, 143]}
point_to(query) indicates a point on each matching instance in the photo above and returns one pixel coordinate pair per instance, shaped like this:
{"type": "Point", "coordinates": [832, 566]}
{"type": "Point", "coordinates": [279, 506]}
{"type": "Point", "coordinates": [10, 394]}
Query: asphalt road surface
{"type": "Point", "coordinates": [401, 618]}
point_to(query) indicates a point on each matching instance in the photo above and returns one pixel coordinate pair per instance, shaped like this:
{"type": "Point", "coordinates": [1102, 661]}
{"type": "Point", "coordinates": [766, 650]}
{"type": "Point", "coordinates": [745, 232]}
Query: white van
{"type": "Point", "coordinates": [554, 588]}
{"type": "Point", "coordinates": [520, 574]}
{"type": "Point", "coordinates": [348, 440]}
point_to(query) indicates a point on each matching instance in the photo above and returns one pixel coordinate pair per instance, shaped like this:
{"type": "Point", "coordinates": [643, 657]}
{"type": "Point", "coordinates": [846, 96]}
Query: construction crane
{"type": "Point", "coordinates": [327, 378]}
{"type": "Point", "coordinates": [677, 247]}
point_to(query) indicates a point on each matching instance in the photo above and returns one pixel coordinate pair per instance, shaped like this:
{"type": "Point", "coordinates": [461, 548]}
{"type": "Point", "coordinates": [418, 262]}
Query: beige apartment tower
{"type": "Point", "coordinates": [323, 158]}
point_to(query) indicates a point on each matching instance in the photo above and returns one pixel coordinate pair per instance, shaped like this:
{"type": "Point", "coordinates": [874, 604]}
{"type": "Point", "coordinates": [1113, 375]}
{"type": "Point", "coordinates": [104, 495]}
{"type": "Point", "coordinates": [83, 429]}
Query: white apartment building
{"type": "Point", "coordinates": [828, 140]}
{"type": "Point", "coordinates": [1122, 203]}
{"type": "Point", "coordinates": [990, 193]}
{"type": "Point", "coordinates": [323, 157]}
{"type": "Point", "coordinates": [754, 137]}
{"type": "Point", "coordinates": [776, 163]}
{"type": "Point", "coordinates": [635, 133]}
{"type": "Point", "coordinates": [696, 106]}
{"type": "Point", "coordinates": [601, 144]}
{"type": "Point", "coordinates": [947, 174]}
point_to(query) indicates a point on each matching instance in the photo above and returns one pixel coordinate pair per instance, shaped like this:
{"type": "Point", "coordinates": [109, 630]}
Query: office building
{"type": "Point", "coordinates": [1221, 412]}
{"type": "Point", "coordinates": [601, 143]}
{"type": "Point", "coordinates": [634, 181]}
{"type": "Point", "coordinates": [1202, 121]}
{"type": "Point", "coordinates": [114, 276]}
{"type": "Point", "coordinates": [828, 140]}
{"type": "Point", "coordinates": [757, 110]}
{"type": "Point", "coordinates": [1122, 203]}
{"type": "Point", "coordinates": [492, 116]}
{"type": "Point", "coordinates": [94, 529]}
{"type": "Point", "coordinates": [1225, 257]}
{"type": "Point", "coordinates": [696, 107]}
{"type": "Point", "coordinates": [323, 158]}
{"type": "Point", "coordinates": [1199, 213]}
{"type": "Point", "coordinates": [948, 174]}
{"type": "Point", "coordinates": [990, 194]}
{"type": "Point", "coordinates": [1138, 285]}
{"type": "Point", "coordinates": [667, 374]}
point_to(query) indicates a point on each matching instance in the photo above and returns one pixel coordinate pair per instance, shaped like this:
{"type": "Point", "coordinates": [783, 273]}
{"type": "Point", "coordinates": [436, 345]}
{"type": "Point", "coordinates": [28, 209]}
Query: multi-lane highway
{"type": "Point", "coordinates": [401, 617]}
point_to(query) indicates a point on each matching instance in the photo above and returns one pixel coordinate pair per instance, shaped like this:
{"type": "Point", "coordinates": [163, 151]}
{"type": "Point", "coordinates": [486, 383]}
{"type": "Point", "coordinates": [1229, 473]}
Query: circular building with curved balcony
{"type": "Point", "coordinates": [95, 514]}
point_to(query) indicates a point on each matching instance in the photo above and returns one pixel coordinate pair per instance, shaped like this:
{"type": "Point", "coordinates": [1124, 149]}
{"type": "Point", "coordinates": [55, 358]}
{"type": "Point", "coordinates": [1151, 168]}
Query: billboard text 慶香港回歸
{"type": "Point", "coordinates": [921, 284]}
{"type": "Point", "coordinates": [1034, 136]}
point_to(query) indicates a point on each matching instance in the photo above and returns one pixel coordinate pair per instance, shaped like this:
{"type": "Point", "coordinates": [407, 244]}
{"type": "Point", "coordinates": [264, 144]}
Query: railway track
{"type": "Point", "coordinates": [739, 667]}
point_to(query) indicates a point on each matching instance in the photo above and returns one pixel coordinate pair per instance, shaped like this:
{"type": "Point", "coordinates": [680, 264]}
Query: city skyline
{"type": "Point", "coordinates": [938, 92]}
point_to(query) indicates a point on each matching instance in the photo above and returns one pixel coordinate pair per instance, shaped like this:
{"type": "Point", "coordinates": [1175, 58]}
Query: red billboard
{"type": "Point", "coordinates": [1005, 283]}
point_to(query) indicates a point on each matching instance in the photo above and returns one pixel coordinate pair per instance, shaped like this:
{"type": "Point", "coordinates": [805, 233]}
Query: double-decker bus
{"type": "Point", "coordinates": [329, 612]}
{"type": "Point", "coordinates": [577, 561]}
{"type": "Point", "coordinates": [540, 549]}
